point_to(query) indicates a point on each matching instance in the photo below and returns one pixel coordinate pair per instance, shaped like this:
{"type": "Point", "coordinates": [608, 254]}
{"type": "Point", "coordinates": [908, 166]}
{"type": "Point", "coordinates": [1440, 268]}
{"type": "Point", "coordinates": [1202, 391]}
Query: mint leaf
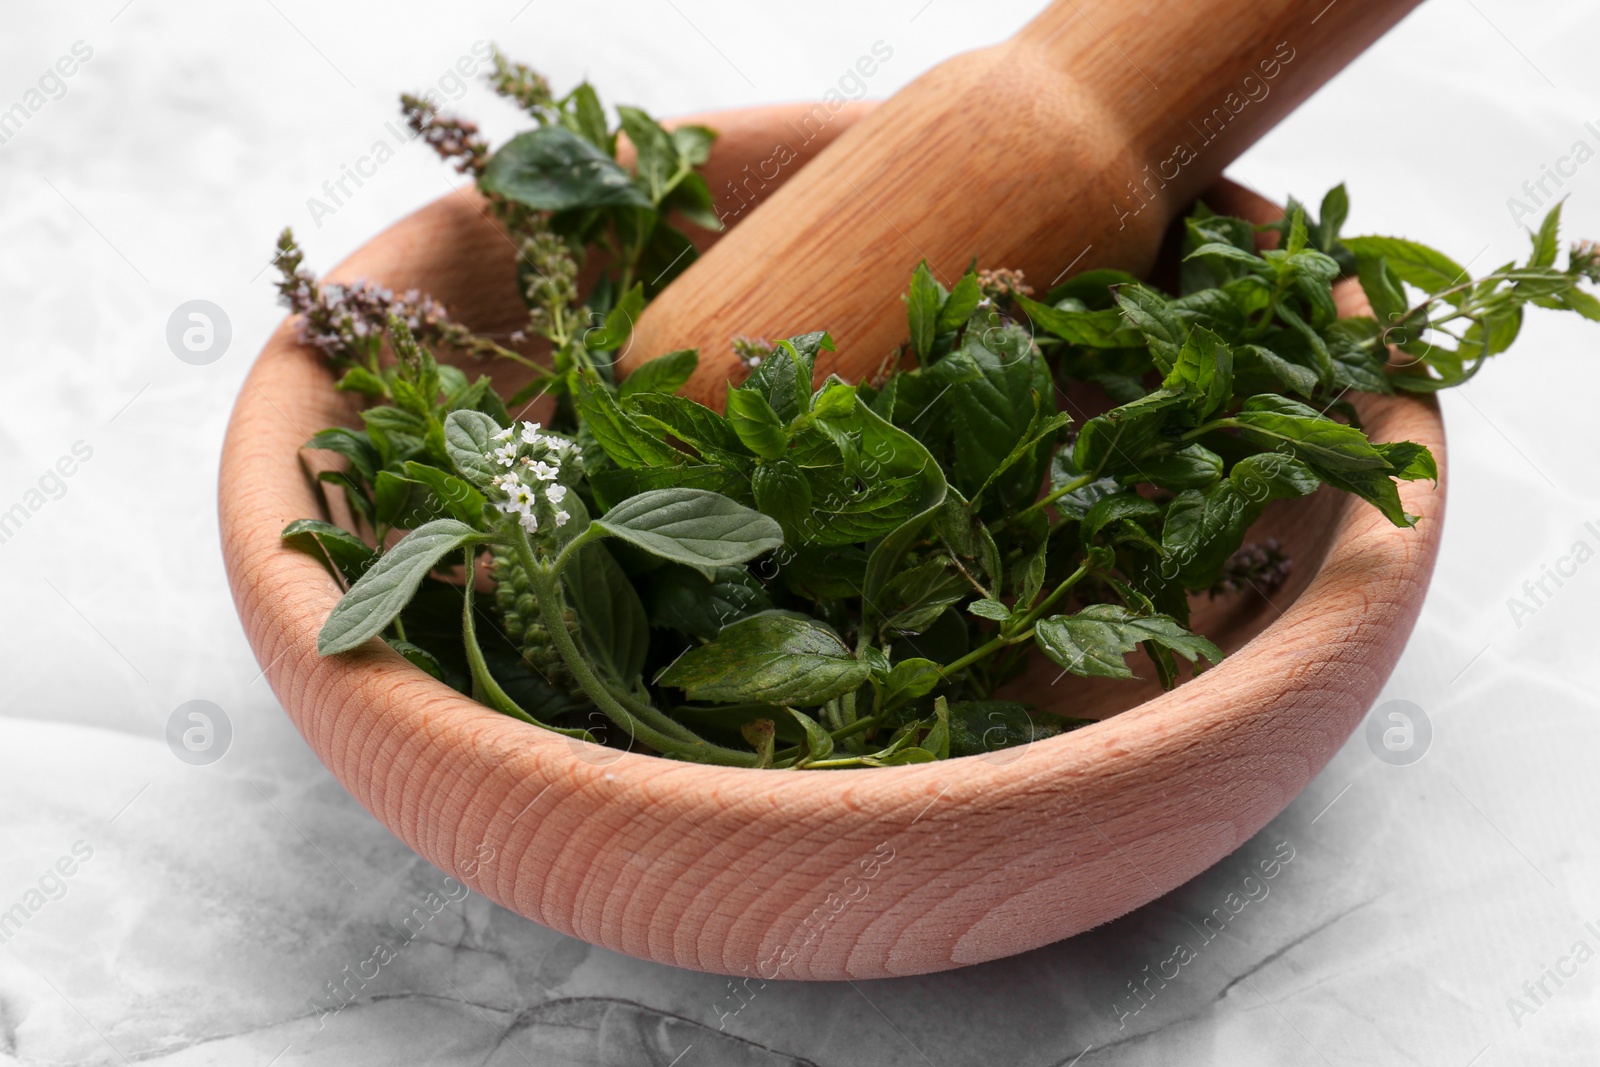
{"type": "Point", "coordinates": [1270, 421]}
{"type": "Point", "coordinates": [1415, 264]}
{"type": "Point", "coordinates": [656, 153]}
{"type": "Point", "coordinates": [1151, 314]}
{"type": "Point", "coordinates": [758, 426]}
{"type": "Point", "coordinates": [990, 609]}
{"type": "Point", "coordinates": [1547, 242]}
{"type": "Point", "coordinates": [624, 441]}
{"type": "Point", "coordinates": [1204, 368]}
{"type": "Point", "coordinates": [618, 326]}
{"type": "Point", "coordinates": [663, 374]}
{"type": "Point", "coordinates": [1116, 440]}
{"type": "Point", "coordinates": [1194, 467]}
{"type": "Point", "coordinates": [923, 303]}
{"type": "Point", "coordinates": [344, 554]}
{"type": "Point", "coordinates": [960, 304]}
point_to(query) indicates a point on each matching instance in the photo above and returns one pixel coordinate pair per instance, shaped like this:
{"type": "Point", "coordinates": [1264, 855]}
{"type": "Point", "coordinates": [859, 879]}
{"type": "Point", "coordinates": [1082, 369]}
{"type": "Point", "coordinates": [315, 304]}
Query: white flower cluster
{"type": "Point", "coordinates": [534, 463]}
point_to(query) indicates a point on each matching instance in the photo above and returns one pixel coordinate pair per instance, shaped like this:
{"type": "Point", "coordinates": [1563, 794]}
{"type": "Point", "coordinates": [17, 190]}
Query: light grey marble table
{"type": "Point", "coordinates": [1442, 913]}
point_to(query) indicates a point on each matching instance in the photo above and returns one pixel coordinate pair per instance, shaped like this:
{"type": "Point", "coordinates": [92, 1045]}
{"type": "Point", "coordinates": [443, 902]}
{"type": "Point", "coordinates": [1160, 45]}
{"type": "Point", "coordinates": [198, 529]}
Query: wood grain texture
{"type": "Point", "coordinates": [856, 874]}
{"type": "Point", "coordinates": [1074, 143]}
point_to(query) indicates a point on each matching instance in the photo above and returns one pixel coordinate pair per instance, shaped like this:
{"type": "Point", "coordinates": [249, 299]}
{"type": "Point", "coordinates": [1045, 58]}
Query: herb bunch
{"type": "Point", "coordinates": [849, 575]}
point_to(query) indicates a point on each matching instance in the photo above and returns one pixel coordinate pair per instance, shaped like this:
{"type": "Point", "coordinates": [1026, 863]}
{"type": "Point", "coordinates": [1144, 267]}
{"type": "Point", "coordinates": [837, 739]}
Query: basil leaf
{"type": "Point", "coordinates": [380, 594]}
{"type": "Point", "coordinates": [681, 599]}
{"type": "Point", "coordinates": [819, 743]}
{"type": "Point", "coordinates": [772, 658]}
{"type": "Point", "coordinates": [980, 726]}
{"type": "Point", "coordinates": [992, 383]}
{"type": "Point", "coordinates": [915, 597]}
{"type": "Point", "coordinates": [785, 375]}
{"type": "Point", "coordinates": [611, 618]}
{"type": "Point", "coordinates": [553, 169]}
{"type": "Point", "coordinates": [910, 679]}
{"type": "Point", "coordinates": [1094, 642]}
{"type": "Point", "coordinates": [704, 530]}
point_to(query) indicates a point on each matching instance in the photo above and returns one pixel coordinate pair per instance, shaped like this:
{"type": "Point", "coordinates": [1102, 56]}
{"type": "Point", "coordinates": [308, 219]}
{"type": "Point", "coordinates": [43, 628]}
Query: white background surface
{"type": "Point", "coordinates": [220, 899]}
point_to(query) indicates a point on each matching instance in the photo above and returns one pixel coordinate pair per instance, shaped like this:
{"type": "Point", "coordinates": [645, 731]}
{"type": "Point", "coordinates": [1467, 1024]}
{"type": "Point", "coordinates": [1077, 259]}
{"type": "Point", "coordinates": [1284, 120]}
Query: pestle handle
{"type": "Point", "coordinates": [1070, 146]}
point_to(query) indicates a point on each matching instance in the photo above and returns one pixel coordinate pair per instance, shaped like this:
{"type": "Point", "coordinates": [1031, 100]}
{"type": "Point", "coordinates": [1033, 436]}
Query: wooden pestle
{"type": "Point", "coordinates": [1070, 146]}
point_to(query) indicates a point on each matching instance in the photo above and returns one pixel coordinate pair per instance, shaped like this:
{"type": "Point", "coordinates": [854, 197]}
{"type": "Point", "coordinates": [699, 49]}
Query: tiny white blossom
{"type": "Point", "coordinates": [556, 493]}
{"type": "Point", "coordinates": [507, 481]}
{"type": "Point", "coordinates": [543, 471]}
{"type": "Point", "coordinates": [506, 454]}
{"type": "Point", "coordinates": [561, 518]}
{"type": "Point", "coordinates": [530, 433]}
{"type": "Point", "coordinates": [530, 521]}
{"type": "Point", "coordinates": [523, 499]}
{"type": "Point", "coordinates": [503, 435]}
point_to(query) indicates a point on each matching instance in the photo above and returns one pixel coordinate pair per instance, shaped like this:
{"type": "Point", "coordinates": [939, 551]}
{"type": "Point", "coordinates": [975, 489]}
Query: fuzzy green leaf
{"type": "Point", "coordinates": [704, 530]}
{"type": "Point", "coordinates": [386, 587]}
